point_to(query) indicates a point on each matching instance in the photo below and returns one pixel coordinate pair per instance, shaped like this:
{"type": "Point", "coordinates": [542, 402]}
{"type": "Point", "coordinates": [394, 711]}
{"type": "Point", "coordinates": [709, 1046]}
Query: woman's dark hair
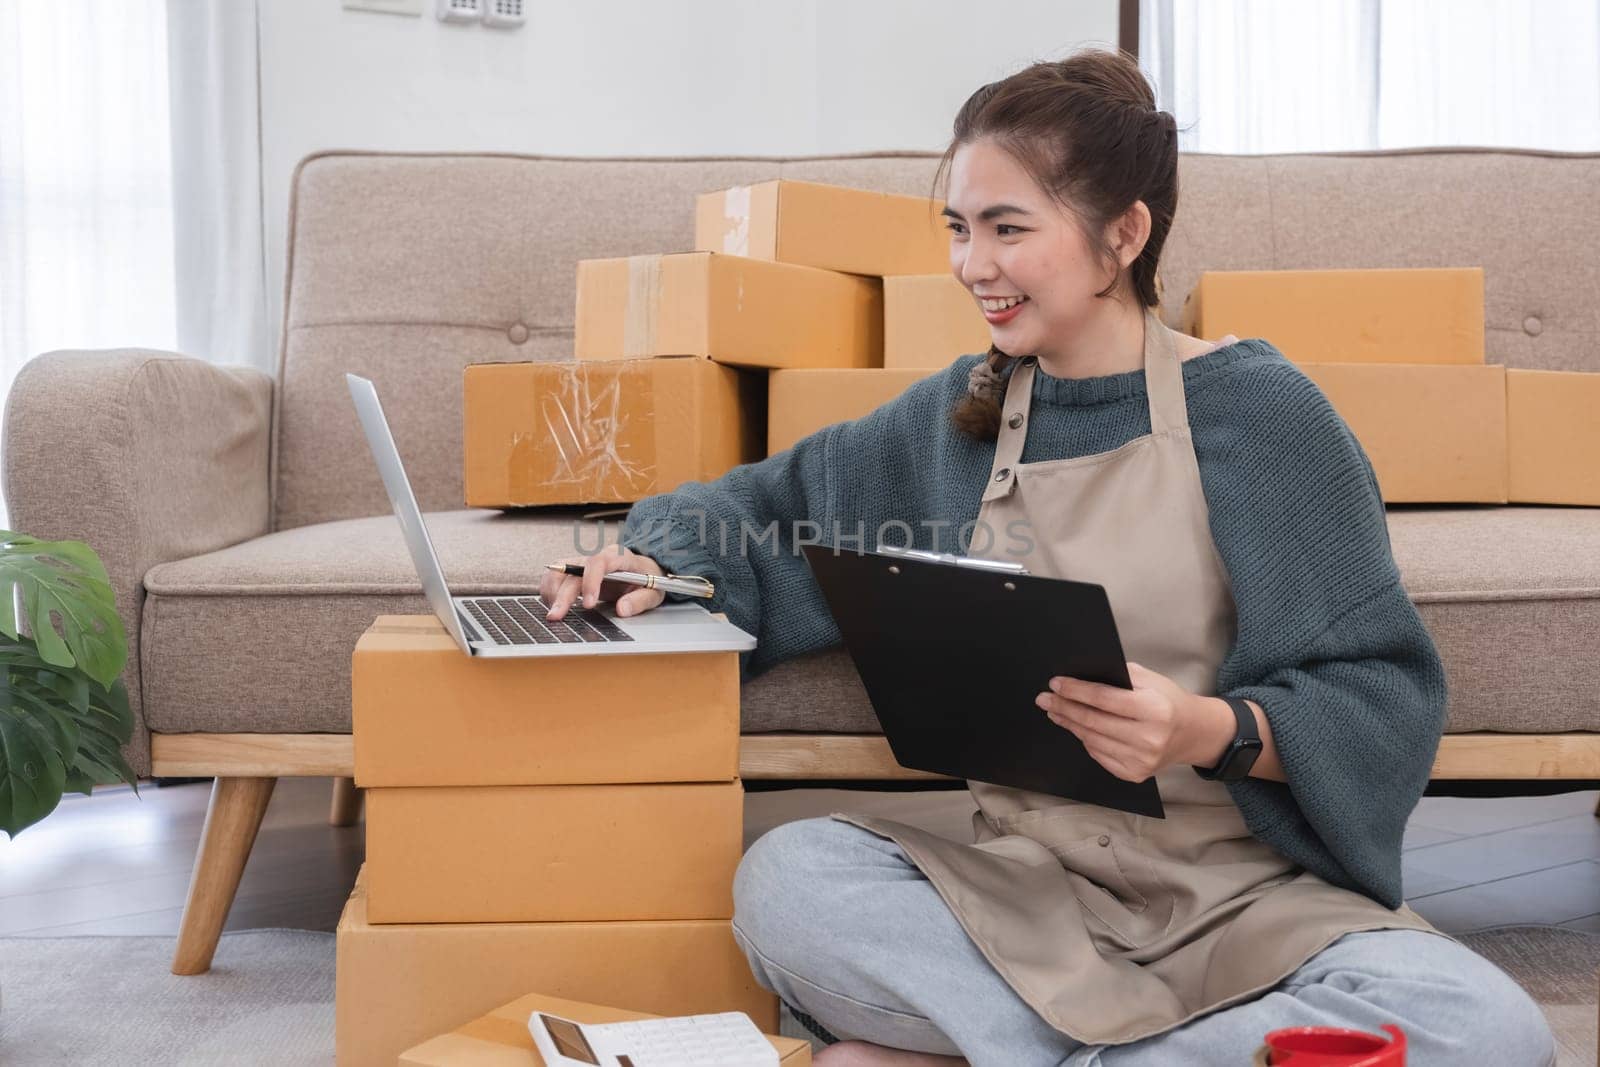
{"type": "Point", "coordinates": [1086, 128]}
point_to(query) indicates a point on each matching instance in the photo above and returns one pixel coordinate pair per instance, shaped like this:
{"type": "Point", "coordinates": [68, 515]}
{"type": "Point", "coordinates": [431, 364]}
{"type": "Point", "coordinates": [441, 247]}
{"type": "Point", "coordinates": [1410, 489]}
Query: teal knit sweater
{"type": "Point", "coordinates": [1328, 642]}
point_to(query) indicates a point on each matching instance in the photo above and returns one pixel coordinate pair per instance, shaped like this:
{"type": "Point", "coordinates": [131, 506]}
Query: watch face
{"type": "Point", "coordinates": [1241, 757]}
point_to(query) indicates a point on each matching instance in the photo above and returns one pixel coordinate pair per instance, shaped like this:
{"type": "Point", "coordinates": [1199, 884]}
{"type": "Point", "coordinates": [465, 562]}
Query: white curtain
{"type": "Point", "coordinates": [130, 207]}
{"type": "Point", "coordinates": [1261, 76]}
{"type": "Point", "coordinates": [216, 181]}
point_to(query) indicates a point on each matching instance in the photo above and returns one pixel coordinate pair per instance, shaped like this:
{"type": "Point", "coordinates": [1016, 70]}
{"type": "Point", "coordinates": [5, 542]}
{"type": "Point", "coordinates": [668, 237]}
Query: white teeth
{"type": "Point", "coordinates": [1002, 304]}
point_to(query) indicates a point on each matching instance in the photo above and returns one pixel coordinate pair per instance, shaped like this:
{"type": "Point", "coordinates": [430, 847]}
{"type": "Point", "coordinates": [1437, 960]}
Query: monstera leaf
{"type": "Point", "coordinates": [68, 602]}
{"type": "Point", "coordinates": [64, 715]}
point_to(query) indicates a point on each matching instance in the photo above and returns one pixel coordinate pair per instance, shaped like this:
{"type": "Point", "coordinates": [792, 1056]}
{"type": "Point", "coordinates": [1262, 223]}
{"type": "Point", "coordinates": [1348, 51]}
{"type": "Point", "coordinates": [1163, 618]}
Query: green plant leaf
{"type": "Point", "coordinates": [58, 731]}
{"type": "Point", "coordinates": [103, 730]}
{"type": "Point", "coordinates": [68, 602]}
{"type": "Point", "coordinates": [71, 689]}
{"type": "Point", "coordinates": [54, 721]}
{"type": "Point", "coordinates": [32, 773]}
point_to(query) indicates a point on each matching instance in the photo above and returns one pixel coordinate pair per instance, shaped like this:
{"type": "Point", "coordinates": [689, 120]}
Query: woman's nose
{"type": "Point", "coordinates": [977, 266]}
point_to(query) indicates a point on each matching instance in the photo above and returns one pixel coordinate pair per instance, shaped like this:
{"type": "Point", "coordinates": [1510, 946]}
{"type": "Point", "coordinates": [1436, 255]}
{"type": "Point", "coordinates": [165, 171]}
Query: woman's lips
{"type": "Point", "coordinates": [1000, 318]}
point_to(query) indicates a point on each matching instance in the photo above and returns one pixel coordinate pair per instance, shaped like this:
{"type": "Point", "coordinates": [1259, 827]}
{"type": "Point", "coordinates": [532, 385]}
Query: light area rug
{"type": "Point", "coordinates": [268, 998]}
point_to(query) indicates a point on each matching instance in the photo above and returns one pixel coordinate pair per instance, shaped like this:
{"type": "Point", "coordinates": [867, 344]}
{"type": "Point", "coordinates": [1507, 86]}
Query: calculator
{"type": "Point", "coordinates": [726, 1039]}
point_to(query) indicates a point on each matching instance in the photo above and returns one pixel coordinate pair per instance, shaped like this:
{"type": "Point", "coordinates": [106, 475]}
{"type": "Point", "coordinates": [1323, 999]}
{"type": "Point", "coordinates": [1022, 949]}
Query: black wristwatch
{"type": "Point", "coordinates": [1241, 753]}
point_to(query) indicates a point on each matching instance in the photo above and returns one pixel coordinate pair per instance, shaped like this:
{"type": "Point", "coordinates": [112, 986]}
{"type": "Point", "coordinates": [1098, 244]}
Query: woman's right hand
{"type": "Point", "coordinates": [559, 590]}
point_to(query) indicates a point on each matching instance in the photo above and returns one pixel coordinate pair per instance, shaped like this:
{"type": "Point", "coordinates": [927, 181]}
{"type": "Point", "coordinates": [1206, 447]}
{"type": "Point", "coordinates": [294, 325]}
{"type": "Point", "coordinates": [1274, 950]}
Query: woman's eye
{"type": "Point", "coordinates": [1002, 229]}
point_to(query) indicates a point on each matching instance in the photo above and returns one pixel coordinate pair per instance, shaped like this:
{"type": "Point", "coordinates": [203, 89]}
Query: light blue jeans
{"type": "Point", "coordinates": [841, 925]}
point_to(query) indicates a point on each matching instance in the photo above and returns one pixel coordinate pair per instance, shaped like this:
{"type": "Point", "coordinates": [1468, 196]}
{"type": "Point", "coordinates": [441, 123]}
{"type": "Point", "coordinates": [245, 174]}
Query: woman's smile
{"type": "Point", "coordinates": [1001, 317]}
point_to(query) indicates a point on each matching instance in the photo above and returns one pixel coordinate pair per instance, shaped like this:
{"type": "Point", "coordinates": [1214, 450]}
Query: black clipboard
{"type": "Point", "coordinates": [952, 655]}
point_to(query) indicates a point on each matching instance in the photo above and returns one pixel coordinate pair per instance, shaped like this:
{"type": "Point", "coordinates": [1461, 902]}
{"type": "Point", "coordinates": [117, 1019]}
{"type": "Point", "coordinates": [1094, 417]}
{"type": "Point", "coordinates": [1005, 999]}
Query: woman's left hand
{"type": "Point", "coordinates": [1133, 733]}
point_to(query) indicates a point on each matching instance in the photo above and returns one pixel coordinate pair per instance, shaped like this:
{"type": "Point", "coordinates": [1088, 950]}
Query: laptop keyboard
{"type": "Point", "coordinates": [524, 620]}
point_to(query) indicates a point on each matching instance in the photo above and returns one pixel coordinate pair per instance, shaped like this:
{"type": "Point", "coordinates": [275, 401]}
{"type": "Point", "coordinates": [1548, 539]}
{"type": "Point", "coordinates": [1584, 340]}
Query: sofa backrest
{"type": "Point", "coordinates": [407, 267]}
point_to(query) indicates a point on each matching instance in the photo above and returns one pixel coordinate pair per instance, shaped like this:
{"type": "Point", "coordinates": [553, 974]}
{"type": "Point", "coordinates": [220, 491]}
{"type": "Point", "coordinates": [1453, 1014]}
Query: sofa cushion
{"type": "Point", "coordinates": [1512, 598]}
{"type": "Point", "coordinates": [257, 638]}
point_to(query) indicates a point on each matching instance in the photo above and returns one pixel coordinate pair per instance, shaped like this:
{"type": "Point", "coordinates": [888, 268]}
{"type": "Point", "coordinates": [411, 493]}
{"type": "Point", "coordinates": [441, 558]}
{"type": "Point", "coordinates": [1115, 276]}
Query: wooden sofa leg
{"type": "Point", "coordinates": [234, 816]}
{"type": "Point", "coordinates": [346, 807]}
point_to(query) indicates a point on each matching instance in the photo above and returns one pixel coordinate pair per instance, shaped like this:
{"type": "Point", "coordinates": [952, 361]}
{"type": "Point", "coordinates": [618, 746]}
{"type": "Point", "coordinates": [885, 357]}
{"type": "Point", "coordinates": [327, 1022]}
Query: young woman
{"type": "Point", "coordinates": [1239, 532]}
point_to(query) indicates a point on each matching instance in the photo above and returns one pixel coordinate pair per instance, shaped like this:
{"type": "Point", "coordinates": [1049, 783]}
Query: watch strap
{"type": "Point", "coordinates": [1242, 751]}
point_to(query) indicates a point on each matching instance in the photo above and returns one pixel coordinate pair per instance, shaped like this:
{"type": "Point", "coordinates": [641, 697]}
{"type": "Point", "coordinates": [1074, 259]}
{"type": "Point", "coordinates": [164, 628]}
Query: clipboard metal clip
{"type": "Point", "coordinates": [998, 566]}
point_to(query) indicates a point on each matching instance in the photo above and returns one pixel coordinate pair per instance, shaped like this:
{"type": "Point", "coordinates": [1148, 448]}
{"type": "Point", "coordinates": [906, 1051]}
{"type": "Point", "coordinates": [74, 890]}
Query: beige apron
{"type": "Point", "coordinates": [1113, 926]}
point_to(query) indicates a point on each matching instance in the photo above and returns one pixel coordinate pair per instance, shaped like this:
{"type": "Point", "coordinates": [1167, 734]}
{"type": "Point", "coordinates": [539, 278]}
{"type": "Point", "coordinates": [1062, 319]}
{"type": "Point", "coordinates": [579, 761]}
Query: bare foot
{"type": "Point", "coordinates": [866, 1054]}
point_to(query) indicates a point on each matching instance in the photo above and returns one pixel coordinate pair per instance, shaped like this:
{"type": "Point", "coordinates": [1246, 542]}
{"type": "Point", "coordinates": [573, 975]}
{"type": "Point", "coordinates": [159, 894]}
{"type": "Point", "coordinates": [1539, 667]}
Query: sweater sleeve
{"type": "Point", "coordinates": [1328, 643]}
{"type": "Point", "coordinates": [742, 531]}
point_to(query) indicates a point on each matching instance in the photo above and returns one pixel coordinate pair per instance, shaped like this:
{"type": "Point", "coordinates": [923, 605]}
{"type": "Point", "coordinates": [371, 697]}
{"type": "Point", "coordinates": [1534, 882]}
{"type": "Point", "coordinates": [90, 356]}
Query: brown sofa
{"type": "Point", "coordinates": [250, 540]}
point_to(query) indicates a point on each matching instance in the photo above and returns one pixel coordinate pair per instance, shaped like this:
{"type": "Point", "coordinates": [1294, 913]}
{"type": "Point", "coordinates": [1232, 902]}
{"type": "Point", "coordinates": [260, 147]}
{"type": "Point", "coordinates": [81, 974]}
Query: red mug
{"type": "Point", "coordinates": [1323, 1046]}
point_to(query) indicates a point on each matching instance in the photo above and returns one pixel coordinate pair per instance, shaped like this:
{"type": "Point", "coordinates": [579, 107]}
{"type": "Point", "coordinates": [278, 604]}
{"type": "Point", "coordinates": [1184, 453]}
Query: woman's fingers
{"type": "Point", "coordinates": [639, 600]}
{"type": "Point", "coordinates": [1123, 760]}
{"type": "Point", "coordinates": [565, 594]}
{"type": "Point", "coordinates": [1082, 716]}
{"type": "Point", "coordinates": [550, 581]}
{"type": "Point", "coordinates": [561, 591]}
{"type": "Point", "coordinates": [572, 587]}
{"type": "Point", "coordinates": [591, 588]}
{"type": "Point", "coordinates": [610, 558]}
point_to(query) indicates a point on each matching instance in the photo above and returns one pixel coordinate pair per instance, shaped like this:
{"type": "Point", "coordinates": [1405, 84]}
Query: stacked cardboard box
{"type": "Point", "coordinates": [532, 824]}
{"type": "Point", "coordinates": [1433, 317]}
{"type": "Point", "coordinates": [801, 402]}
{"type": "Point", "coordinates": [1553, 431]}
{"type": "Point", "coordinates": [731, 309]}
{"type": "Point", "coordinates": [929, 320]}
{"type": "Point", "coordinates": [564, 433]}
{"type": "Point", "coordinates": [1399, 354]}
{"type": "Point", "coordinates": [856, 231]}
{"type": "Point", "coordinates": [672, 351]}
{"type": "Point", "coordinates": [501, 1038]}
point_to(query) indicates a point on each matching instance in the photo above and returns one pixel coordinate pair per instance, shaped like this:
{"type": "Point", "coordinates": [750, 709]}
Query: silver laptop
{"type": "Point", "coordinates": [517, 625]}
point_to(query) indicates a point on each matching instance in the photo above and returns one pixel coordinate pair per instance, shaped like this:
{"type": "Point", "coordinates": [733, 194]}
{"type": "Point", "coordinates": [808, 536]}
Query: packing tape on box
{"type": "Point", "coordinates": [644, 302]}
{"type": "Point", "coordinates": [736, 221]}
{"type": "Point", "coordinates": [598, 431]}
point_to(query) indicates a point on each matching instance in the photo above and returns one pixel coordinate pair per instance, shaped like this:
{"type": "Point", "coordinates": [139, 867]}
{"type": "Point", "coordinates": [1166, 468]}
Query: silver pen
{"type": "Point", "coordinates": [687, 584]}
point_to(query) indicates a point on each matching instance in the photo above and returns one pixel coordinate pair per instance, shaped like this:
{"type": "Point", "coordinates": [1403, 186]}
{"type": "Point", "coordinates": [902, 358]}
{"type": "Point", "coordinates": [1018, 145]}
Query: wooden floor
{"type": "Point", "coordinates": [119, 864]}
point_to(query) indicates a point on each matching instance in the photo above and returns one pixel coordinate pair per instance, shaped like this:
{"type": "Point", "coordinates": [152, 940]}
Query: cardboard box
{"type": "Point", "coordinates": [825, 226]}
{"type": "Point", "coordinates": [727, 308]}
{"type": "Point", "coordinates": [501, 1038]}
{"type": "Point", "coordinates": [801, 402]}
{"type": "Point", "coordinates": [426, 715]}
{"type": "Point", "coordinates": [1553, 437]}
{"type": "Point", "coordinates": [398, 985]}
{"type": "Point", "coordinates": [583, 433]}
{"type": "Point", "coordinates": [929, 320]}
{"type": "Point", "coordinates": [553, 853]}
{"type": "Point", "coordinates": [1434, 434]}
{"type": "Point", "coordinates": [1346, 316]}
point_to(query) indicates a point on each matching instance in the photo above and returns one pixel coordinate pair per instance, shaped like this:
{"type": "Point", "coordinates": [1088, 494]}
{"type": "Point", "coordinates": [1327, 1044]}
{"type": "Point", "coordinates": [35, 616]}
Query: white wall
{"type": "Point", "coordinates": [639, 78]}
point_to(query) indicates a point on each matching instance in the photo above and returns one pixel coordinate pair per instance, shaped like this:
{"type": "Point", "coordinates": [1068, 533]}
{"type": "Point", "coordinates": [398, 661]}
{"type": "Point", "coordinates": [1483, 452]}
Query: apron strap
{"type": "Point", "coordinates": [1163, 376]}
{"type": "Point", "coordinates": [1013, 431]}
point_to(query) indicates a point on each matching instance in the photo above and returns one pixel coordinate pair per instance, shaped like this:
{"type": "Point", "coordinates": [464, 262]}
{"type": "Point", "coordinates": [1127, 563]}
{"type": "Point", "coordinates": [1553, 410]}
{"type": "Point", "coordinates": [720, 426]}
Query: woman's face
{"type": "Point", "coordinates": [1008, 238]}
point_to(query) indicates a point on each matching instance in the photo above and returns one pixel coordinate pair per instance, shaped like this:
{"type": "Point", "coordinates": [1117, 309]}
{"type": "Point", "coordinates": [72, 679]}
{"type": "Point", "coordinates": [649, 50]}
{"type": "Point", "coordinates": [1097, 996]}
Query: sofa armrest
{"type": "Point", "coordinates": [146, 456]}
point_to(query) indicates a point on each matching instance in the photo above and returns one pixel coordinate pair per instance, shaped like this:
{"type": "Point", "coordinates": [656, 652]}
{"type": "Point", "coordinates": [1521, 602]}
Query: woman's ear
{"type": "Point", "coordinates": [1129, 232]}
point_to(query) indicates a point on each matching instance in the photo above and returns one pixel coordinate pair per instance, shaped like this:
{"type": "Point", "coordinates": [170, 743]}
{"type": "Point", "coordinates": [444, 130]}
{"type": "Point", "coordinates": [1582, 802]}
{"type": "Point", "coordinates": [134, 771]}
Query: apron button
{"type": "Point", "coordinates": [1002, 474]}
{"type": "Point", "coordinates": [1015, 420]}
{"type": "Point", "coordinates": [1105, 840]}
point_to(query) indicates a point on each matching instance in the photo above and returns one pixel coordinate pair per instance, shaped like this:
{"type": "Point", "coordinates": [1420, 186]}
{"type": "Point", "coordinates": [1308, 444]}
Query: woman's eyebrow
{"type": "Point", "coordinates": [988, 213]}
